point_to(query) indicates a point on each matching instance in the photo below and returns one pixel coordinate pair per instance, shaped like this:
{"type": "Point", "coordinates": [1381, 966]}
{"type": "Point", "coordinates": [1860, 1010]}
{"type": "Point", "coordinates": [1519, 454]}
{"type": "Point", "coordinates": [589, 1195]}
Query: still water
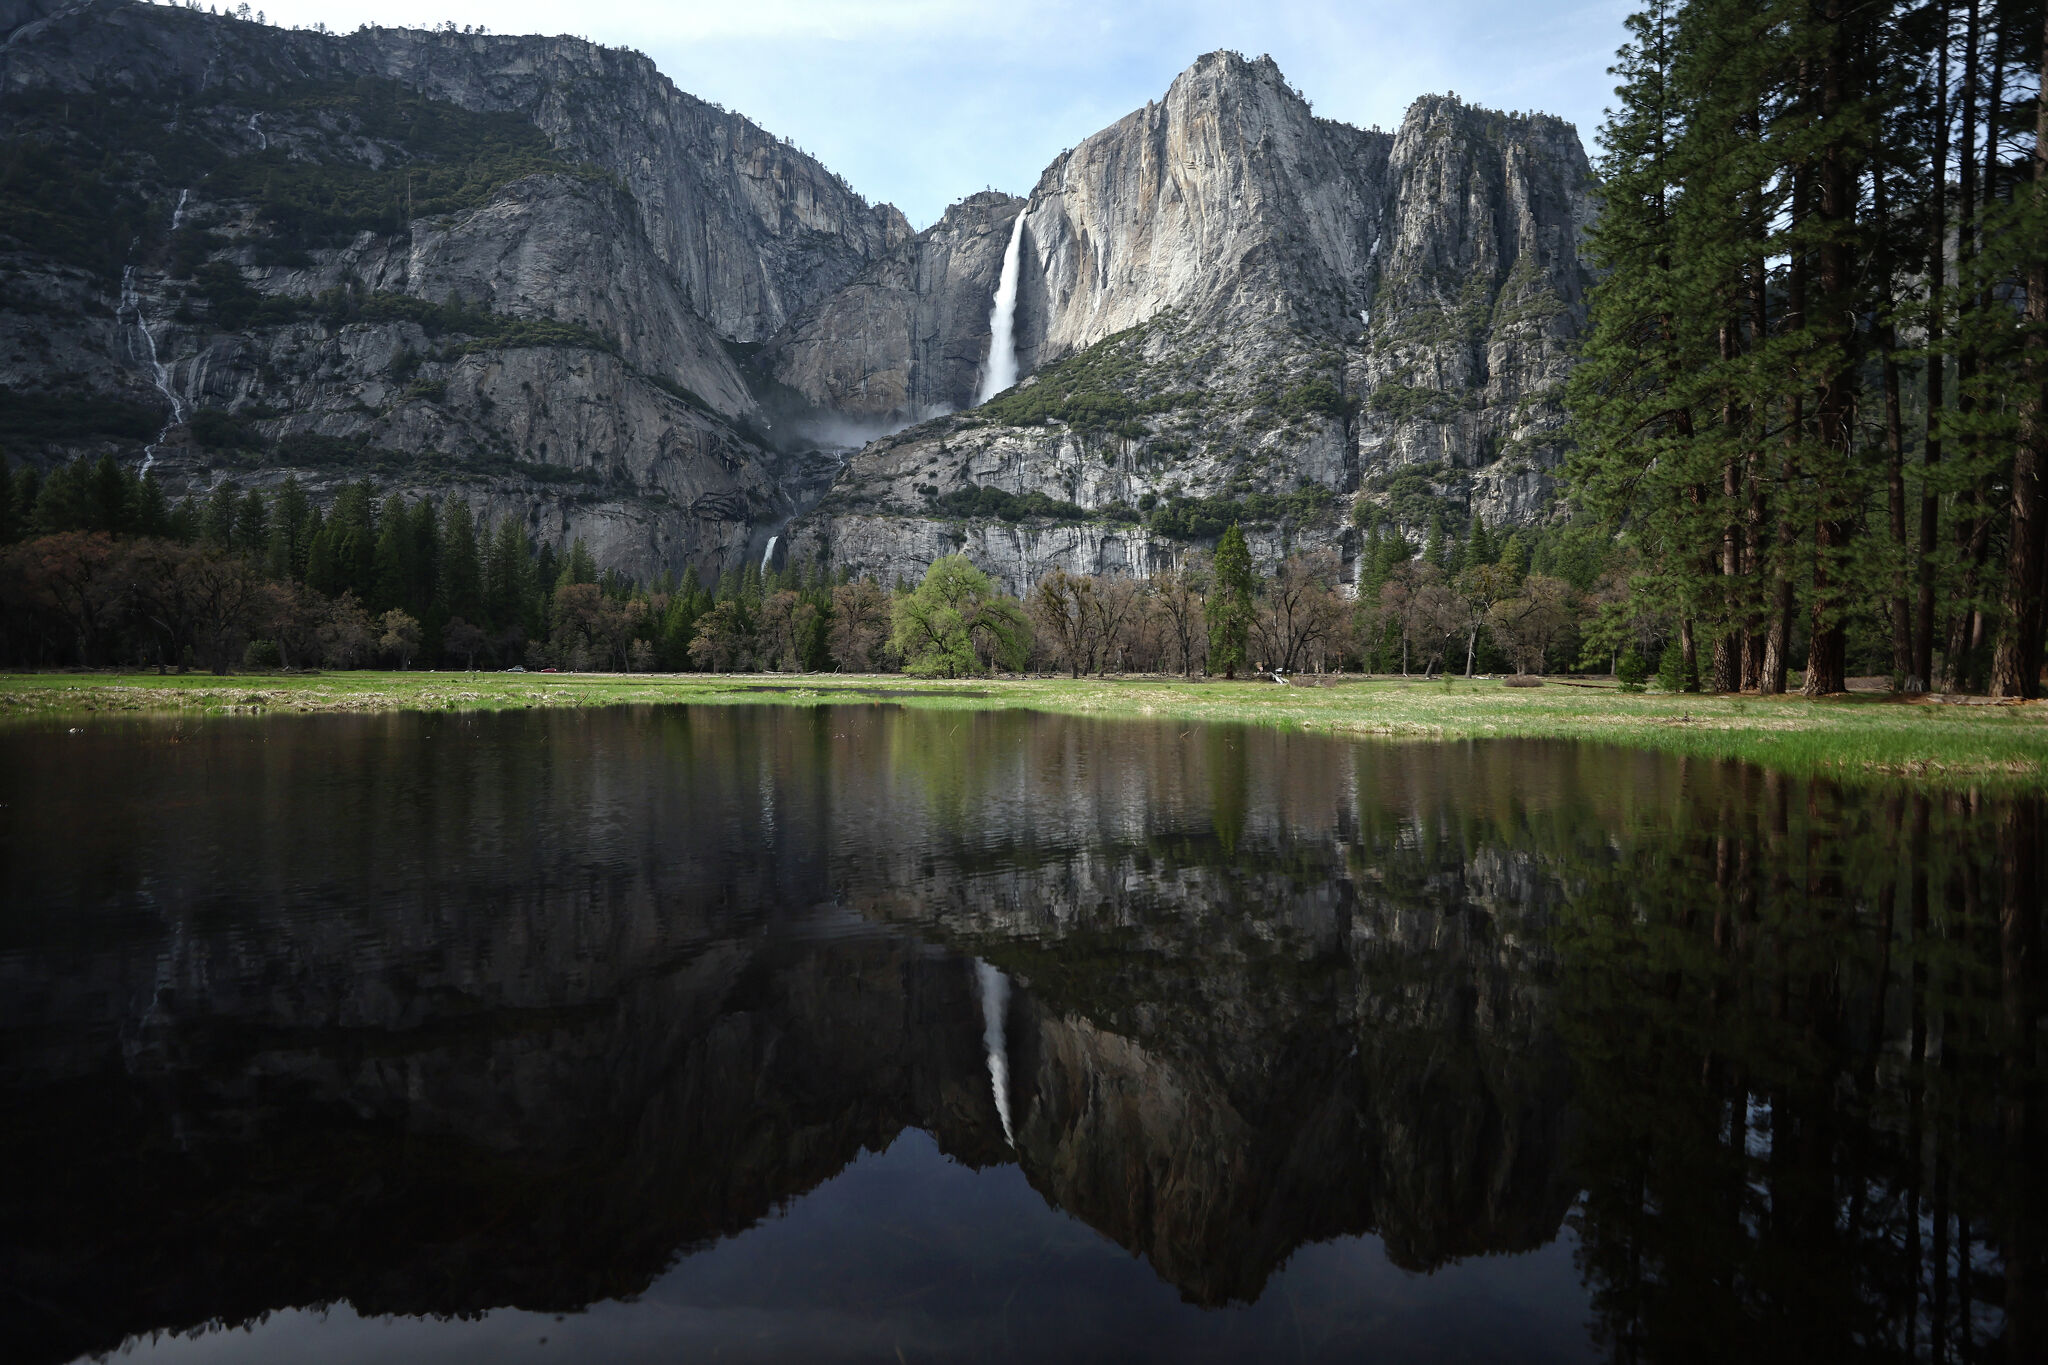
{"type": "Point", "coordinates": [852, 1033]}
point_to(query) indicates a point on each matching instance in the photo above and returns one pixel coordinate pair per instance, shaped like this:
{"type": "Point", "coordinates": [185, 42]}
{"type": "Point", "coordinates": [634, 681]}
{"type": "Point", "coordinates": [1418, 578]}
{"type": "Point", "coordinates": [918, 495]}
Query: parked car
{"type": "Point", "coordinates": [516, 668]}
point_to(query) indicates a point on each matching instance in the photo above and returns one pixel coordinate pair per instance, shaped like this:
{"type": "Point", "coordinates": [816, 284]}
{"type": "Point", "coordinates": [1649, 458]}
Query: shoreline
{"type": "Point", "coordinates": [1858, 736]}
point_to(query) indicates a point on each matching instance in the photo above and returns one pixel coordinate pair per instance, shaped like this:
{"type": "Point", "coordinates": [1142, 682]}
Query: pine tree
{"type": "Point", "coordinates": [252, 525]}
{"type": "Point", "coordinates": [1479, 546]}
{"type": "Point", "coordinates": [152, 510]}
{"type": "Point", "coordinates": [462, 576]}
{"type": "Point", "coordinates": [217, 525]}
{"type": "Point", "coordinates": [509, 581]}
{"type": "Point", "coordinates": [1229, 606]}
{"type": "Point", "coordinates": [392, 556]}
{"type": "Point", "coordinates": [291, 527]}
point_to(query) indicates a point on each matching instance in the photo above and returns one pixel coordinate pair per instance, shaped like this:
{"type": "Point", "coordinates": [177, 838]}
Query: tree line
{"type": "Point", "coordinates": [1812, 396]}
{"type": "Point", "coordinates": [98, 569]}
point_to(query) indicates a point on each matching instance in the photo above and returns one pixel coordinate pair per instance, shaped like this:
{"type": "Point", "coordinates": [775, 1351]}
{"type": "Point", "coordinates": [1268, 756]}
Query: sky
{"type": "Point", "coordinates": [920, 102]}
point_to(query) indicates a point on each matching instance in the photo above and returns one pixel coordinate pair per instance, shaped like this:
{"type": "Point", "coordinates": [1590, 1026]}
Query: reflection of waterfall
{"type": "Point", "coordinates": [995, 1004]}
{"type": "Point", "coordinates": [1002, 322]}
{"type": "Point", "coordinates": [255, 126]}
{"type": "Point", "coordinates": [159, 373]}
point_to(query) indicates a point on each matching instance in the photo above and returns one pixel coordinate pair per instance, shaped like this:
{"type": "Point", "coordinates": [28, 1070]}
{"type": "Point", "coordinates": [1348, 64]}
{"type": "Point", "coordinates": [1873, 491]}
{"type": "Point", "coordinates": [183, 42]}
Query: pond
{"type": "Point", "coordinates": [857, 1033]}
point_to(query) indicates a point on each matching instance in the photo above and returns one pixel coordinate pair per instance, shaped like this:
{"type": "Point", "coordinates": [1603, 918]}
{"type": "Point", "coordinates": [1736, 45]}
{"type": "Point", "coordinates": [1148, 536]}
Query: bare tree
{"type": "Point", "coordinates": [860, 625]}
{"type": "Point", "coordinates": [1063, 617]}
{"type": "Point", "coordinates": [1428, 611]}
{"type": "Point", "coordinates": [346, 638]}
{"type": "Point", "coordinates": [1479, 587]}
{"type": "Point", "coordinates": [1119, 605]}
{"type": "Point", "coordinates": [291, 614]}
{"type": "Point", "coordinates": [220, 597]}
{"type": "Point", "coordinates": [1527, 624]}
{"type": "Point", "coordinates": [1178, 594]}
{"type": "Point", "coordinates": [1298, 609]}
{"type": "Point", "coordinates": [460, 637]}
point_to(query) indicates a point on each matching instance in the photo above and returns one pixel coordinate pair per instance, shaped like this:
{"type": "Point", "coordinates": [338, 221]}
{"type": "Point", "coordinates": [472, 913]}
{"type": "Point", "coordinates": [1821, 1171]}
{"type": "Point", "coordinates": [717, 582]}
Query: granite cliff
{"type": "Point", "coordinates": [530, 271]}
{"type": "Point", "coordinates": [353, 245]}
{"type": "Point", "coordinates": [1225, 301]}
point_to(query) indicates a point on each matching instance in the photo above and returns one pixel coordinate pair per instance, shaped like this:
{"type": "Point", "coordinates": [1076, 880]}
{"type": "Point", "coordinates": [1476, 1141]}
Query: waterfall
{"type": "Point", "coordinates": [131, 303]}
{"type": "Point", "coordinates": [255, 126]}
{"type": "Point", "coordinates": [159, 373]}
{"type": "Point", "coordinates": [995, 1004]}
{"type": "Point", "coordinates": [768, 553]}
{"type": "Point", "coordinates": [1002, 322]}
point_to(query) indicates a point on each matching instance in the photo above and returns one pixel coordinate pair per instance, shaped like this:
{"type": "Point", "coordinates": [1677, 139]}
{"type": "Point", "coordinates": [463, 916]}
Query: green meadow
{"type": "Point", "coordinates": [1858, 737]}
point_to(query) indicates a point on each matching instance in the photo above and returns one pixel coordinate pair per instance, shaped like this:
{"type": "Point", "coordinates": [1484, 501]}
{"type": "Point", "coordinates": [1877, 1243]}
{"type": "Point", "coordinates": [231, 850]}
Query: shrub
{"type": "Point", "coordinates": [1672, 674]}
{"type": "Point", "coordinates": [976, 501]}
{"type": "Point", "coordinates": [33, 418]}
{"type": "Point", "coordinates": [1631, 670]}
{"type": "Point", "coordinates": [1181, 518]}
{"type": "Point", "coordinates": [219, 429]}
{"type": "Point", "coordinates": [1315, 397]}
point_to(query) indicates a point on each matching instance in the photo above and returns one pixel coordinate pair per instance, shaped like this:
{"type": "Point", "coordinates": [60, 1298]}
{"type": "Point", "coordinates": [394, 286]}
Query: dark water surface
{"type": "Point", "coordinates": [862, 1034]}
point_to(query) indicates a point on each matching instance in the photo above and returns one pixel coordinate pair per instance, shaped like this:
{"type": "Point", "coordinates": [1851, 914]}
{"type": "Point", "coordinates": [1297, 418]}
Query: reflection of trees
{"type": "Point", "coordinates": [1805, 1037]}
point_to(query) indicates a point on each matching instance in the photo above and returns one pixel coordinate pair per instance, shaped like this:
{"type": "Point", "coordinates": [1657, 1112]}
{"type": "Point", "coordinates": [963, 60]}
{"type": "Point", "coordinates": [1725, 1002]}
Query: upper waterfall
{"type": "Point", "coordinates": [1002, 322]}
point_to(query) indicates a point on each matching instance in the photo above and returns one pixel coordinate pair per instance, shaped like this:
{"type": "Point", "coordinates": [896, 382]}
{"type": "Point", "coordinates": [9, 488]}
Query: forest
{"type": "Point", "coordinates": [1811, 400]}
{"type": "Point", "coordinates": [98, 569]}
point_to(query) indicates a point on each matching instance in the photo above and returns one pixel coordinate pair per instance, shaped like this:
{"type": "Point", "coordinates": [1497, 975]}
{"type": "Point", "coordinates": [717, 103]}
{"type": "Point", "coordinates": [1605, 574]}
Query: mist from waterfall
{"type": "Point", "coordinates": [995, 1006]}
{"type": "Point", "coordinates": [1002, 322]}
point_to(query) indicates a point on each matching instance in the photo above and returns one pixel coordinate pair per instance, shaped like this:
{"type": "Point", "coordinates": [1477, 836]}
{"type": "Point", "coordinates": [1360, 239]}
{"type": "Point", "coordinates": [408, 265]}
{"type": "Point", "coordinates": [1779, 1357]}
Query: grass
{"type": "Point", "coordinates": [1866, 737]}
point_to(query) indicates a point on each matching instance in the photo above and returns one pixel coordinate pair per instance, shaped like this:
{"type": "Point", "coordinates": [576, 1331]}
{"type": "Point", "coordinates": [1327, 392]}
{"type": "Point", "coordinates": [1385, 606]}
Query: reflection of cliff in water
{"type": "Point", "coordinates": [435, 1015]}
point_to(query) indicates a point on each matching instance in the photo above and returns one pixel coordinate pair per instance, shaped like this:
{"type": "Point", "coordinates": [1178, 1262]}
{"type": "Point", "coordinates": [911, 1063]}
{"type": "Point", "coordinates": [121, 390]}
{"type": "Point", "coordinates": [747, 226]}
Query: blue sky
{"type": "Point", "coordinates": [919, 102]}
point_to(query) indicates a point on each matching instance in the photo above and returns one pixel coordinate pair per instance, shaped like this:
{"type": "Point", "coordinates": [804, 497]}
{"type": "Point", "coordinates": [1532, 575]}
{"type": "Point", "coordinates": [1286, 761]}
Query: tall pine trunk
{"type": "Point", "coordinates": [2016, 668]}
{"type": "Point", "coordinates": [1955, 662]}
{"type": "Point", "coordinates": [1937, 377]}
{"type": "Point", "coordinates": [1756, 642]}
{"type": "Point", "coordinates": [1894, 434]}
{"type": "Point", "coordinates": [1778, 646]}
{"type": "Point", "coordinates": [1728, 640]}
{"type": "Point", "coordinates": [1826, 654]}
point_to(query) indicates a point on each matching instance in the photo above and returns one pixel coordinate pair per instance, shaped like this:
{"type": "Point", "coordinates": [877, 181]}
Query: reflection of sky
{"type": "Point", "coordinates": [919, 102]}
{"type": "Point", "coordinates": [909, 1251]}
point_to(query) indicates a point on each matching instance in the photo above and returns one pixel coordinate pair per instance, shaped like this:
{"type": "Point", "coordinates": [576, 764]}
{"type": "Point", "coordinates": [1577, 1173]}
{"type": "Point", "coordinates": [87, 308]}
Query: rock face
{"type": "Point", "coordinates": [752, 229]}
{"type": "Point", "coordinates": [907, 338]}
{"type": "Point", "coordinates": [1236, 297]}
{"type": "Point", "coordinates": [652, 314]}
{"type": "Point", "coordinates": [654, 229]}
